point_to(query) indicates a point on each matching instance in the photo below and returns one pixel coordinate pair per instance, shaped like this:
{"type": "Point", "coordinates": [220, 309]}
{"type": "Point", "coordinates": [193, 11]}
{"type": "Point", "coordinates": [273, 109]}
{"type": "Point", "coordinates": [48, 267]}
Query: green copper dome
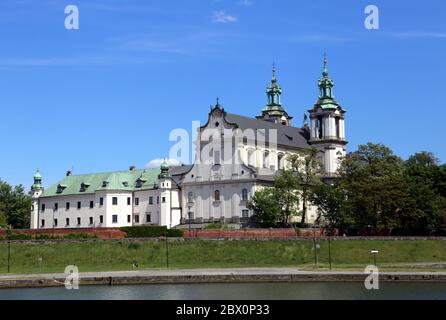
{"type": "Point", "coordinates": [37, 175]}
{"type": "Point", "coordinates": [37, 185]}
{"type": "Point", "coordinates": [326, 99]}
{"type": "Point", "coordinates": [164, 166]}
{"type": "Point", "coordinates": [274, 108]}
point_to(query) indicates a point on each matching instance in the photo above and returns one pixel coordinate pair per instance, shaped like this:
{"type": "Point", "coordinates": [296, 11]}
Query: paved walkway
{"type": "Point", "coordinates": [210, 272]}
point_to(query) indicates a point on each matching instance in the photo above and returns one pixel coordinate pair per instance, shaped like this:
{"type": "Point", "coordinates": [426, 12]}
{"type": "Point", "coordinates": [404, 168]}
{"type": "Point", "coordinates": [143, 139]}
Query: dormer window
{"type": "Point", "coordinates": [125, 184]}
{"type": "Point", "coordinates": [140, 182]}
{"type": "Point", "coordinates": [84, 187]}
{"type": "Point", "coordinates": [104, 184]}
{"type": "Point", "coordinates": [60, 188]}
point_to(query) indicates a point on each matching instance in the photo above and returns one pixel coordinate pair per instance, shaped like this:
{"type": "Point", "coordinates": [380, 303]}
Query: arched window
{"type": "Point", "coordinates": [244, 194]}
{"type": "Point", "coordinates": [266, 159]}
{"type": "Point", "coordinates": [338, 134]}
{"type": "Point", "coordinates": [280, 161]}
{"type": "Point", "coordinates": [217, 195]}
{"type": "Point", "coordinates": [190, 197]}
{"type": "Point", "coordinates": [319, 127]}
{"type": "Point", "coordinates": [251, 158]}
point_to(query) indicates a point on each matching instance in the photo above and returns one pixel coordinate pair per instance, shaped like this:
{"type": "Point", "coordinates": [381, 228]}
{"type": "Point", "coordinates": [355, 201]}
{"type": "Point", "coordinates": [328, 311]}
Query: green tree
{"type": "Point", "coordinates": [307, 172]}
{"type": "Point", "coordinates": [274, 206]}
{"type": "Point", "coordinates": [285, 190]}
{"type": "Point", "coordinates": [332, 204]}
{"type": "Point", "coordinates": [265, 207]}
{"type": "Point", "coordinates": [15, 206]}
{"type": "Point", "coordinates": [374, 184]}
{"type": "Point", "coordinates": [427, 180]}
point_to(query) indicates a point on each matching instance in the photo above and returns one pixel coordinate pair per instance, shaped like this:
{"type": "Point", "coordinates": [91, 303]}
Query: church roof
{"type": "Point", "coordinates": [130, 180]}
{"type": "Point", "coordinates": [286, 135]}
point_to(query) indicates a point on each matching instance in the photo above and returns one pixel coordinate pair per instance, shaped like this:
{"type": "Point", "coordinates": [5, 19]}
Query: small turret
{"type": "Point", "coordinates": [37, 185]}
{"type": "Point", "coordinates": [273, 111]}
{"type": "Point", "coordinates": [36, 192]}
{"type": "Point", "coordinates": [164, 167]}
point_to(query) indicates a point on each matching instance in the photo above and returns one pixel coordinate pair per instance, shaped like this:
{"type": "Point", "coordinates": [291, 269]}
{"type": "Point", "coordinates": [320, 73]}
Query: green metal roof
{"type": "Point", "coordinates": [141, 179]}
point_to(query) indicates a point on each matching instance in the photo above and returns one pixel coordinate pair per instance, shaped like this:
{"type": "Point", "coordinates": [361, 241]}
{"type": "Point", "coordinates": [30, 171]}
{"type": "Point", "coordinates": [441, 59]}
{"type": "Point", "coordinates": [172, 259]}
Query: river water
{"type": "Point", "coordinates": [235, 291]}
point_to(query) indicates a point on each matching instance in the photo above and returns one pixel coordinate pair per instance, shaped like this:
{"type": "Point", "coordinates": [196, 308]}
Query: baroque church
{"type": "Point", "coordinates": [236, 155]}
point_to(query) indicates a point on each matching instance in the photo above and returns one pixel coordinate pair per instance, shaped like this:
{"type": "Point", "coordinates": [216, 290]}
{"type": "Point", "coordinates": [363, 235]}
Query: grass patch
{"type": "Point", "coordinates": [120, 255]}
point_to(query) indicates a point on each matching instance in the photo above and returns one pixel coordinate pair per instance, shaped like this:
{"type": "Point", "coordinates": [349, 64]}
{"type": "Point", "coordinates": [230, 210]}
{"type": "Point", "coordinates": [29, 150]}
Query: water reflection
{"type": "Point", "coordinates": [255, 291]}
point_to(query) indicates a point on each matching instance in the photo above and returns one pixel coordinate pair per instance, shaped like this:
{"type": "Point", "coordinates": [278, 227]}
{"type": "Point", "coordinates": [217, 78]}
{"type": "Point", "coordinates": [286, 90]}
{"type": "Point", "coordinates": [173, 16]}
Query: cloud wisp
{"type": "Point", "coordinates": [221, 17]}
{"type": "Point", "coordinates": [315, 37]}
{"type": "Point", "coordinates": [245, 3]}
{"type": "Point", "coordinates": [418, 34]}
{"type": "Point", "coordinates": [155, 163]}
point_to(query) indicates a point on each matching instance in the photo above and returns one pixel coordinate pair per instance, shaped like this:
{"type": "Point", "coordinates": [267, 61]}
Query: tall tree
{"type": "Point", "coordinates": [274, 206]}
{"type": "Point", "coordinates": [287, 196]}
{"type": "Point", "coordinates": [307, 171]}
{"type": "Point", "coordinates": [15, 206]}
{"type": "Point", "coordinates": [265, 207]}
{"type": "Point", "coordinates": [426, 180]}
{"type": "Point", "coordinates": [377, 191]}
{"type": "Point", "coordinates": [332, 204]}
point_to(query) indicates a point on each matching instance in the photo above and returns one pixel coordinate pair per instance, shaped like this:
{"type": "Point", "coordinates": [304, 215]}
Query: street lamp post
{"type": "Point", "coordinates": [167, 250]}
{"type": "Point", "coordinates": [316, 246]}
{"type": "Point", "coordinates": [329, 248]}
{"type": "Point", "coordinates": [8, 234]}
{"type": "Point", "coordinates": [189, 213]}
{"type": "Point", "coordinates": [190, 224]}
{"type": "Point", "coordinates": [374, 252]}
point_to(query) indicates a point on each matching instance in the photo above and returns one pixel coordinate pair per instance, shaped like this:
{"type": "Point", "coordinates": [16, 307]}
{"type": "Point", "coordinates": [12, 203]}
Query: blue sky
{"type": "Point", "coordinates": [106, 96]}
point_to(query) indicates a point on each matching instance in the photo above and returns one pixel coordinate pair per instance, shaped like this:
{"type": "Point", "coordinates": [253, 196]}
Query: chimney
{"type": "Point", "coordinates": [132, 168]}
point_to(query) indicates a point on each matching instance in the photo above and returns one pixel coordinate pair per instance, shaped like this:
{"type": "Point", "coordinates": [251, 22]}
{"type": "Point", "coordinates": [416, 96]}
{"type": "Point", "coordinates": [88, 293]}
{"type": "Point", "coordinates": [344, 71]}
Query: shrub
{"type": "Point", "coordinates": [150, 232]}
{"type": "Point", "coordinates": [19, 236]}
{"type": "Point", "coordinates": [214, 226]}
{"type": "Point", "coordinates": [46, 237]}
{"type": "Point", "coordinates": [134, 245]}
{"type": "Point", "coordinates": [79, 236]}
{"type": "Point", "coordinates": [175, 233]}
{"type": "Point", "coordinates": [219, 225]}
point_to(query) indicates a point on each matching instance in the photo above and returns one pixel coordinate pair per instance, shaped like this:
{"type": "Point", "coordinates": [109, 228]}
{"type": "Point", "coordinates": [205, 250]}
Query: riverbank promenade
{"type": "Point", "coordinates": [230, 275]}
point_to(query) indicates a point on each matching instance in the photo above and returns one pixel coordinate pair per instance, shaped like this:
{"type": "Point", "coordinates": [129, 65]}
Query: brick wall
{"type": "Point", "coordinates": [240, 233]}
{"type": "Point", "coordinates": [102, 233]}
{"type": "Point", "coordinates": [255, 233]}
{"type": "Point", "coordinates": [316, 232]}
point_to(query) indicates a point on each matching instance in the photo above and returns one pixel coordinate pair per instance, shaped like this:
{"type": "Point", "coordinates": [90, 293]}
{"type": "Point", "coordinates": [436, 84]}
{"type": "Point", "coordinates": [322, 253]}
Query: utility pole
{"type": "Point", "coordinates": [8, 233]}
{"type": "Point", "coordinates": [314, 244]}
{"type": "Point", "coordinates": [329, 248]}
{"type": "Point", "coordinates": [167, 250]}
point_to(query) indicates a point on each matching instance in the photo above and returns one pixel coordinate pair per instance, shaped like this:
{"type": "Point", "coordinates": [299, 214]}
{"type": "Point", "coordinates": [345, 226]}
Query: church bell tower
{"type": "Point", "coordinates": [36, 192]}
{"type": "Point", "coordinates": [327, 130]}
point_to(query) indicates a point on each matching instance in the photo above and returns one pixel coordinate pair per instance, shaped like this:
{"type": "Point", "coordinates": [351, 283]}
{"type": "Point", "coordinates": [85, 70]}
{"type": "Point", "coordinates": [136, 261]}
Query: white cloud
{"type": "Point", "coordinates": [246, 3]}
{"type": "Point", "coordinates": [155, 163]}
{"type": "Point", "coordinates": [99, 60]}
{"type": "Point", "coordinates": [419, 34]}
{"type": "Point", "coordinates": [319, 38]}
{"type": "Point", "coordinates": [222, 17]}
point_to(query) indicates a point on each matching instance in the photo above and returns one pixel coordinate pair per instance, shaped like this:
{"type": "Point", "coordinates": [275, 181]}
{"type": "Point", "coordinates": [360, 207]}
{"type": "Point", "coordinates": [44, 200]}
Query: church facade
{"type": "Point", "coordinates": [235, 156]}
